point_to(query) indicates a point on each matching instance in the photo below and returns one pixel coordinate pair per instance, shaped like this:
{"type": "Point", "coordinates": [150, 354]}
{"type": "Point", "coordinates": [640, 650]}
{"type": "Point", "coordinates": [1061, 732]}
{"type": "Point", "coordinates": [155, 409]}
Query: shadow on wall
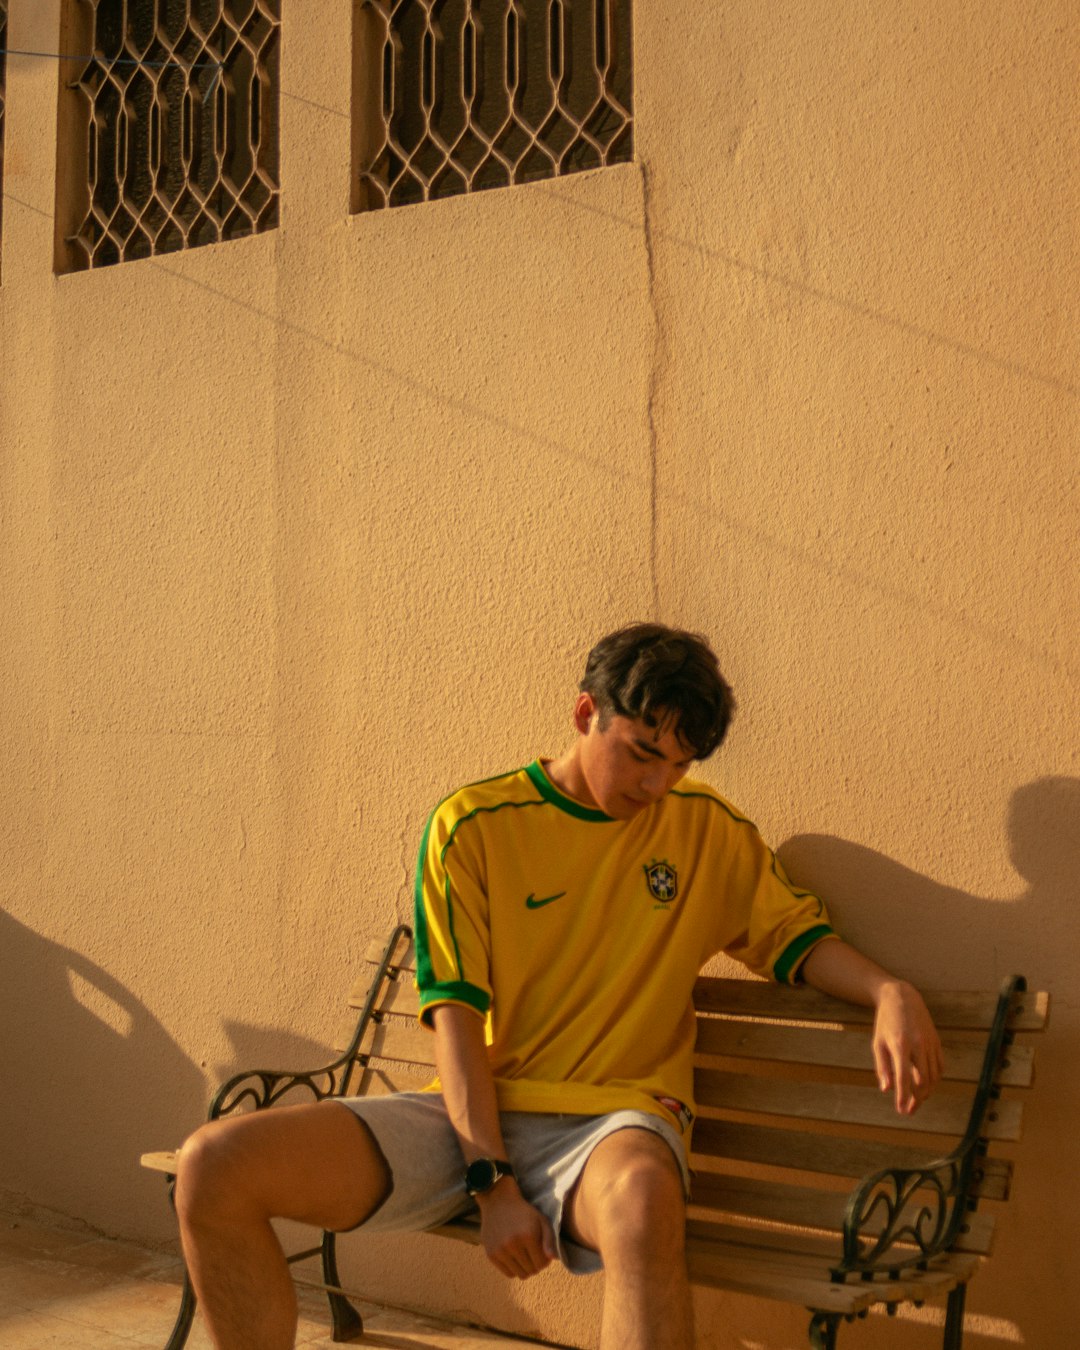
{"type": "Point", "coordinates": [945, 937]}
{"type": "Point", "coordinates": [90, 1081]}
{"type": "Point", "coordinates": [262, 1047]}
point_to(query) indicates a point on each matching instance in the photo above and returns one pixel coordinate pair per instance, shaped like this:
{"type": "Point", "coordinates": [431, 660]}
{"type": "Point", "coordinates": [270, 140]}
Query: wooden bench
{"type": "Point", "coordinates": [789, 1114]}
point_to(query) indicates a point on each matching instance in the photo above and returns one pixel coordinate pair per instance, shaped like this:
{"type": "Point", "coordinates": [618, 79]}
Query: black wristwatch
{"type": "Point", "coordinates": [481, 1175]}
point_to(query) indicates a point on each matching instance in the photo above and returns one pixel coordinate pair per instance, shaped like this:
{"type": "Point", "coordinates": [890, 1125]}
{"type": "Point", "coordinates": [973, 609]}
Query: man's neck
{"type": "Point", "coordinates": [565, 773]}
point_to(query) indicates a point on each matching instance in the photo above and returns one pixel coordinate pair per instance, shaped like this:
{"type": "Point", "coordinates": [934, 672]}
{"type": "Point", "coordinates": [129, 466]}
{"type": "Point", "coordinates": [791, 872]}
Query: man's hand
{"type": "Point", "coordinates": [517, 1238]}
{"type": "Point", "coordinates": [907, 1050]}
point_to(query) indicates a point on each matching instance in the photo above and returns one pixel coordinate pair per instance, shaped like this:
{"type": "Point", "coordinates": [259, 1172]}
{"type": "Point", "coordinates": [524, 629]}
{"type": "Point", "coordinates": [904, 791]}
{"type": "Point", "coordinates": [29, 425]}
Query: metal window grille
{"type": "Point", "coordinates": [3, 97]}
{"type": "Point", "coordinates": [456, 96]}
{"type": "Point", "coordinates": [176, 121]}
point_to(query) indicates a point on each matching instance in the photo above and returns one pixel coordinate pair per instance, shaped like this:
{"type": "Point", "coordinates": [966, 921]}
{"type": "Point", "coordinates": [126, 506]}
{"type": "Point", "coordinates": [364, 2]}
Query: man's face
{"type": "Point", "coordinates": [627, 765]}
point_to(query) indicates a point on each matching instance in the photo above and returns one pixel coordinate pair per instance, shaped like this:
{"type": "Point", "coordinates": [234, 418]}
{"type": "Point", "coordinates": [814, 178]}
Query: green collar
{"type": "Point", "coordinates": [551, 793]}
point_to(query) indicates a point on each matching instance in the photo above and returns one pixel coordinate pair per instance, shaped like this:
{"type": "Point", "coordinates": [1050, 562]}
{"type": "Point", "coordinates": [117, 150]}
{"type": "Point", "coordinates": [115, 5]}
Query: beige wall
{"type": "Point", "coordinates": [297, 532]}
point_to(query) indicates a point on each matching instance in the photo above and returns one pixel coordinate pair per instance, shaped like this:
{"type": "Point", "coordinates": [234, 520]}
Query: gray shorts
{"type": "Point", "coordinates": [548, 1152]}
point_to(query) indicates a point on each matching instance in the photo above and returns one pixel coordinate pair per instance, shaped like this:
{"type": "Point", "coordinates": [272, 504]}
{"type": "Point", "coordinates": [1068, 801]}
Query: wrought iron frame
{"type": "Point", "coordinates": [257, 1089]}
{"type": "Point", "coordinates": [942, 1191]}
{"type": "Point", "coordinates": [947, 1181]}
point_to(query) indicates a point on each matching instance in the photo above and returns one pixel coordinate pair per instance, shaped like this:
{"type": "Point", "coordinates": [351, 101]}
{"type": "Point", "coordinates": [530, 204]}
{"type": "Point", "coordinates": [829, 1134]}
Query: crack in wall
{"type": "Point", "coordinates": [652, 392]}
{"type": "Point", "coordinates": [404, 888]}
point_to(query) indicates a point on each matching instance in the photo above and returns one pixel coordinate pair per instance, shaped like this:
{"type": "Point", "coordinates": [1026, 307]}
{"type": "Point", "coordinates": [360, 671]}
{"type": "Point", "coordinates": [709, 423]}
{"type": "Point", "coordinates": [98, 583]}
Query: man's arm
{"type": "Point", "coordinates": [516, 1236]}
{"type": "Point", "coordinates": [907, 1051]}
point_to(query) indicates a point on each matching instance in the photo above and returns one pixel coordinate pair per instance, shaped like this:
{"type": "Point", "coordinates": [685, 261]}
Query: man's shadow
{"type": "Point", "coordinates": [91, 1079]}
{"type": "Point", "coordinates": [947, 938]}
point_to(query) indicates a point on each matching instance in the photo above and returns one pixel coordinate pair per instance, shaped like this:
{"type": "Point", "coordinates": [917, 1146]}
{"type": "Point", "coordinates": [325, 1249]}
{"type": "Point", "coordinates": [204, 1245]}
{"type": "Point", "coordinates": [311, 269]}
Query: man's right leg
{"type": "Point", "coordinates": [316, 1163]}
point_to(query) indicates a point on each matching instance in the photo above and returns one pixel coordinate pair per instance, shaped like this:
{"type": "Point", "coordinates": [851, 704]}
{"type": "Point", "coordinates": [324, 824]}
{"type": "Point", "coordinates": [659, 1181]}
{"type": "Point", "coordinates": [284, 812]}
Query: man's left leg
{"type": "Point", "coordinates": [628, 1205]}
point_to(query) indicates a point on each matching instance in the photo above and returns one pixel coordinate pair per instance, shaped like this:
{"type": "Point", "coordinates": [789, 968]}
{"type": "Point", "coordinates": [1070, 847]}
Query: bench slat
{"type": "Point", "coordinates": [828, 1154]}
{"type": "Point", "coordinates": [406, 1042]}
{"type": "Point", "coordinates": [843, 1049]}
{"type": "Point", "coordinates": [729, 1267]}
{"type": "Point", "coordinates": [159, 1162]}
{"type": "Point", "coordinates": [951, 1010]}
{"type": "Point", "coordinates": [399, 996]}
{"type": "Point", "coordinates": [805, 1207]}
{"type": "Point", "coordinates": [842, 1103]}
{"type": "Point", "coordinates": [817, 1252]}
{"type": "Point", "coordinates": [384, 1076]}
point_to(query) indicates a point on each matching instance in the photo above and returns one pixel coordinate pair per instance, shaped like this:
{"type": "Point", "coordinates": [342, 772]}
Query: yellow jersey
{"type": "Point", "coordinates": [578, 937]}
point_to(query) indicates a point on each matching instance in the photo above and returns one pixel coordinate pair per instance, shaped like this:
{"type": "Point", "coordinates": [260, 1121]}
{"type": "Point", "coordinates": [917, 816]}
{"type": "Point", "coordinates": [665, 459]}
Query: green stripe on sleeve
{"type": "Point", "coordinates": [788, 960]}
{"type": "Point", "coordinates": [452, 991]}
{"type": "Point", "coordinates": [425, 974]}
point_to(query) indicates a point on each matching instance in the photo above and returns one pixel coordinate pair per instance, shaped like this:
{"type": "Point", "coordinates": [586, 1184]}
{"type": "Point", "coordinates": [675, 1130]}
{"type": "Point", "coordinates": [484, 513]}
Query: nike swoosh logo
{"type": "Point", "coordinates": [532, 902]}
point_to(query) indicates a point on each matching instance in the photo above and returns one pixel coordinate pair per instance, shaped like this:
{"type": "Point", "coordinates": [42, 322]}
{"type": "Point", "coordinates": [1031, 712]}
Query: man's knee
{"type": "Point", "coordinates": [640, 1211]}
{"type": "Point", "coordinates": [315, 1163]}
{"type": "Point", "coordinates": [208, 1177]}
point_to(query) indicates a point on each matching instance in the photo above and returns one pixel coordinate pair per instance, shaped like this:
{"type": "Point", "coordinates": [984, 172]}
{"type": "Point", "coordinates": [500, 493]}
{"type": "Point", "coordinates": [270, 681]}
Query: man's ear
{"type": "Point", "coordinates": [584, 711]}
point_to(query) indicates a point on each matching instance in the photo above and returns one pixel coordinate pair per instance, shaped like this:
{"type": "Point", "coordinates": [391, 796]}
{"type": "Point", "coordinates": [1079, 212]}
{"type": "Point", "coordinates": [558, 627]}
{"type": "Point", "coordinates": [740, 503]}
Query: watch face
{"type": "Point", "coordinates": [481, 1176]}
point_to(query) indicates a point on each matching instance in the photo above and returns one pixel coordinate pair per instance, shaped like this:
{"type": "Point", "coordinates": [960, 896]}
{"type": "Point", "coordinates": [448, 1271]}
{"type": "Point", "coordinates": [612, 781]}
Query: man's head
{"type": "Point", "coordinates": [652, 700]}
{"type": "Point", "coordinates": [665, 678]}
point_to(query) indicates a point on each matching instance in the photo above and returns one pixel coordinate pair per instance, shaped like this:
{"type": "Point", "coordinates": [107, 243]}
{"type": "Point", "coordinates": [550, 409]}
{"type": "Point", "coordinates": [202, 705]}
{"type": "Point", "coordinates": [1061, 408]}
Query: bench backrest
{"type": "Point", "coordinates": [789, 1108]}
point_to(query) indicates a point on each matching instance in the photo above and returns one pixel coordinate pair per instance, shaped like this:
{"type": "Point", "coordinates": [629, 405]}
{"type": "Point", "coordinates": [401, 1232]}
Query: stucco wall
{"type": "Point", "coordinates": [297, 532]}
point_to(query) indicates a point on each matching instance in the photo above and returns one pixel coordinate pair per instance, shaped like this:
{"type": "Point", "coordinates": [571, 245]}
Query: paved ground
{"type": "Point", "coordinates": [61, 1290]}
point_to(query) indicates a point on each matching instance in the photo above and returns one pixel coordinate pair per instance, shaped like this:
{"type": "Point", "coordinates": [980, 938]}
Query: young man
{"type": "Point", "coordinates": [563, 912]}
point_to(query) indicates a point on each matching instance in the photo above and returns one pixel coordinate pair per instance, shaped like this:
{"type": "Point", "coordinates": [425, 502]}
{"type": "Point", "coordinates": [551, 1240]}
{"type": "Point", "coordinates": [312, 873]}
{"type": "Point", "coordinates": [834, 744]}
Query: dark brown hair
{"type": "Point", "coordinates": [653, 672]}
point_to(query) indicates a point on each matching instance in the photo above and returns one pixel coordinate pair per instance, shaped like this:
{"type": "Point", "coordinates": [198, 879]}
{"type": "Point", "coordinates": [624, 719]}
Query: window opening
{"type": "Point", "coordinates": [169, 129]}
{"type": "Point", "coordinates": [455, 96]}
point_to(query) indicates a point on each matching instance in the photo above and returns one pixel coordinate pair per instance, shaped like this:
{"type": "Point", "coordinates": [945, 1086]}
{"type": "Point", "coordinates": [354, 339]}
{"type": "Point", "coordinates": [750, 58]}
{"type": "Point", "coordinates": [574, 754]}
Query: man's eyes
{"type": "Point", "coordinates": [649, 759]}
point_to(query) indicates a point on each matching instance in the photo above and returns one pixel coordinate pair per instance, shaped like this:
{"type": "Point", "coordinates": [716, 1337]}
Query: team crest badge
{"type": "Point", "coordinates": [663, 881]}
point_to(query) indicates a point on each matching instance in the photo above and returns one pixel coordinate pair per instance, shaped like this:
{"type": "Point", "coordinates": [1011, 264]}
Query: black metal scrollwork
{"type": "Point", "coordinates": [257, 1089]}
{"type": "Point", "coordinates": [910, 1215]}
{"type": "Point", "coordinates": [260, 1088]}
{"type": "Point", "coordinates": [901, 1207]}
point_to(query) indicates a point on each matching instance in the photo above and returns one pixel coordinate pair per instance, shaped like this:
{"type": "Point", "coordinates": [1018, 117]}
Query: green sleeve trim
{"type": "Point", "coordinates": [425, 974]}
{"type": "Point", "coordinates": [793, 953]}
{"type": "Point", "coordinates": [452, 991]}
{"type": "Point", "coordinates": [551, 793]}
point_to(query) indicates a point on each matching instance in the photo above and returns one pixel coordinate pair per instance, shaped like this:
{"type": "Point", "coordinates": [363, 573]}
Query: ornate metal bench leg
{"type": "Point", "coordinates": [823, 1329]}
{"type": "Point", "coordinates": [186, 1314]}
{"type": "Point", "coordinates": [348, 1324]}
{"type": "Point", "coordinates": [954, 1319]}
{"type": "Point", "coordinates": [184, 1317]}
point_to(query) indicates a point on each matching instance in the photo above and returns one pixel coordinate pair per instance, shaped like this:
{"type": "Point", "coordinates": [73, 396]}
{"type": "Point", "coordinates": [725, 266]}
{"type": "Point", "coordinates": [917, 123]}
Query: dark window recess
{"type": "Point", "coordinates": [175, 119]}
{"type": "Point", "coordinates": [460, 95]}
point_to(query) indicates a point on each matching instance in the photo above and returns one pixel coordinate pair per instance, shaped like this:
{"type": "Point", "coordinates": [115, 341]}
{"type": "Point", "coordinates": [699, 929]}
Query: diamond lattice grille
{"type": "Point", "coordinates": [461, 95]}
{"type": "Point", "coordinates": [178, 110]}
